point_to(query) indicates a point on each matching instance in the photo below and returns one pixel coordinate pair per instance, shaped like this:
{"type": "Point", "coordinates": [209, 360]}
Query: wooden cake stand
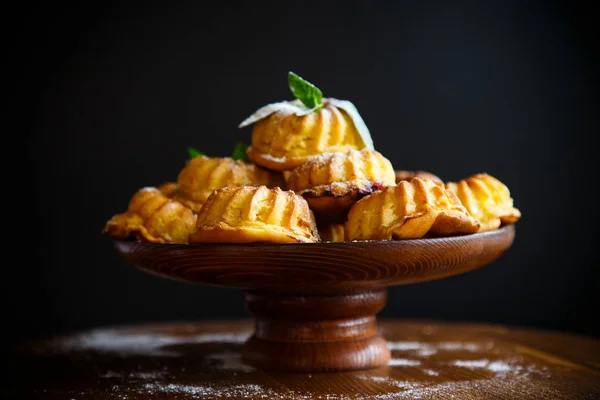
{"type": "Point", "coordinates": [315, 304]}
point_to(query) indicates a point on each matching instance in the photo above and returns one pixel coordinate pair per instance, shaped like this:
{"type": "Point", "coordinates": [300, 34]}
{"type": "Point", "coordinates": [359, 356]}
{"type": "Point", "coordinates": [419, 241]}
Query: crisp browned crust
{"type": "Point", "coordinates": [332, 182]}
{"type": "Point", "coordinates": [410, 210]}
{"type": "Point", "coordinates": [487, 200]}
{"type": "Point", "coordinates": [255, 214]}
{"type": "Point", "coordinates": [404, 175]}
{"type": "Point", "coordinates": [203, 175]}
{"type": "Point", "coordinates": [169, 189]}
{"type": "Point", "coordinates": [284, 140]}
{"type": "Point", "coordinates": [153, 217]}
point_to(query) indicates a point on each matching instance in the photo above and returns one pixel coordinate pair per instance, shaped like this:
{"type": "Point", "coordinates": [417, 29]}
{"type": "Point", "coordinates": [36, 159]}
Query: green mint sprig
{"type": "Point", "coordinates": [192, 153]}
{"type": "Point", "coordinates": [310, 95]}
{"type": "Point", "coordinates": [239, 152]}
{"type": "Point", "coordinates": [310, 100]}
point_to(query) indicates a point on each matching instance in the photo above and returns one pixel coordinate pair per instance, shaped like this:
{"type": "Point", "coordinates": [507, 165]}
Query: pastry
{"type": "Point", "coordinates": [151, 216]}
{"type": "Point", "coordinates": [287, 133]}
{"type": "Point", "coordinates": [169, 189]}
{"type": "Point", "coordinates": [404, 175]}
{"type": "Point", "coordinates": [487, 199]}
{"type": "Point", "coordinates": [411, 209]}
{"type": "Point", "coordinates": [202, 175]}
{"type": "Point", "coordinates": [255, 214]}
{"type": "Point", "coordinates": [331, 232]}
{"type": "Point", "coordinates": [311, 159]}
{"type": "Point", "coordinates": [332, 182]}
{"type": "Point", "coordinates": [285, 140]}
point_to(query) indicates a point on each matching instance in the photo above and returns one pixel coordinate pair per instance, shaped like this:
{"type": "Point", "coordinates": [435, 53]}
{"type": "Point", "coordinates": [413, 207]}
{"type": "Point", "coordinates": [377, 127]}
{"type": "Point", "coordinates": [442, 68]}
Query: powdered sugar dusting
{"type": "Point", "coordinates": [144, 344]}
{"type": "Point", "coordinates": [431, 372]}
{"type": "Point", "coordinates": [403, 362]}
{"type": "Point", "coordinates": [406, 345]}
{"type": "Point", "coordinates": [391, 387]}
{"type": "Point", "coordinates": [473, 389]}
{"type": "Point", "coordinates": [218, 372]}
{"type": "Point", "coordinates": [423, 349]}
{"type": "Point", "coordinates": [201, 392]}
{"type": "Point", "coordinates": [471, 363]}
{"type": "Point", "coordinates": [405, 385]}
{"type": "Point", "coordinates": [464, 346]}
{"type": "Point", "coordinates": [396, 389]}
{"type": "Point", "coordinates": [501, 368]}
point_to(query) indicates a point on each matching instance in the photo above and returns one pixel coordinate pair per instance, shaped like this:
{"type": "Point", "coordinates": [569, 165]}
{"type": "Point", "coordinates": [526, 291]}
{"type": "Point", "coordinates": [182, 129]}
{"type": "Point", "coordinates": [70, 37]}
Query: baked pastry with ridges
{"type": "Point", "coordinates": [331, 232]}
{"type": "Point", "coordinates": [285, 140]}
{"type": "Point", "coordinates": [332, 182]}
{"type": "Point", "coordinates": [404, 175]}
{"type": "Point", "coordinates": [169, 189]}
{"type": "Point", "coordinates": [255, 214]}
{"type": "Point", "coordinates": [202, 175]}
{"type": "Point", "coordinates": [411, 209]}
{"type": "Point", "coordinates": [487, 199]}
{"type": "Point", "coordinates": [151, 216]}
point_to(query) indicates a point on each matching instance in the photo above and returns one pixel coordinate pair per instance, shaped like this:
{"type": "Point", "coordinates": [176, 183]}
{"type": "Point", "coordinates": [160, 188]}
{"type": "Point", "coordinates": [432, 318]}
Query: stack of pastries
{"type": "Point", "coordinates": [310, 175]}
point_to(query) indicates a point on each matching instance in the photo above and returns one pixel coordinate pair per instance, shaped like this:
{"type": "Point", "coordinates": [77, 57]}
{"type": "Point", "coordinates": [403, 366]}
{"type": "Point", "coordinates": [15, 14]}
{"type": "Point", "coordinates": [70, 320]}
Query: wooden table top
{"type": "Point", "coordinates": [202, 361]}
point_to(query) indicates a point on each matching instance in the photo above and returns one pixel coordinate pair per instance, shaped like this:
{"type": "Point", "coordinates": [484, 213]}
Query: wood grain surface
{"type": "Point", "coordinates": [318, 268]}
{"type": "Point", "coordinates": [204, 361]}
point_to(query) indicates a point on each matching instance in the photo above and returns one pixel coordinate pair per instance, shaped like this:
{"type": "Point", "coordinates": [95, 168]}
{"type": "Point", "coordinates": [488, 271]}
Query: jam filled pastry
{"type": "Point", "coordinates": [332, 182]}
{"type": "Point", "coordinates": [409, 210]}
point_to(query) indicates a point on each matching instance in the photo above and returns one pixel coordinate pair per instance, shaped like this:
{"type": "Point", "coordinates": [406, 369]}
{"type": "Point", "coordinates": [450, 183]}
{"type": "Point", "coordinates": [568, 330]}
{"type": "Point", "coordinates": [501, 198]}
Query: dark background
{"type": "Point", "coordinates": [110, 97]}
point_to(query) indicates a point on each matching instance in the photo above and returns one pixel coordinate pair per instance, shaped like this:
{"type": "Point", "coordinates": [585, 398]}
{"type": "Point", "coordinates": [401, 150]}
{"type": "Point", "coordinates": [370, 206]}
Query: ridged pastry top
{"type": "Point", "coordinates": [255, 214]}
{"type": "Point", "coordinates": [284, 140]}
{"type": "Point", "coordinates": [404, 175]}
{"type": "Point", "coordinates": [153, 217]}
{"type": "Point", "coordinates": [202, 175]}
{"type": "Point", "coordinates": [410, 210]}
{"type": "Point", "coordinates": [487, 199]}
{"type": "Point", "coordinates": [337, 174]}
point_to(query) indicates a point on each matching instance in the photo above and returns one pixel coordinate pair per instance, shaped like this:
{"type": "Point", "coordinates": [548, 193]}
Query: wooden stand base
{"type": "Point", "coordinates": [316, 333]}
{"type": "Point", "coordinates": [315, 303]}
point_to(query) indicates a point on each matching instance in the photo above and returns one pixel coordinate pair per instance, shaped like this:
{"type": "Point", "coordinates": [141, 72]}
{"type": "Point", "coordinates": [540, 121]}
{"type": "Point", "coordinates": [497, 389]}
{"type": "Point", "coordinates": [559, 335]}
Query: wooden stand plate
{"type": "Point", "coordinates": [315, 304]}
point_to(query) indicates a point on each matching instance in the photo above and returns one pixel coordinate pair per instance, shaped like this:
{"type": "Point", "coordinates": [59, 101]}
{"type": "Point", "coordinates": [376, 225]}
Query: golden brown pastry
{"type": "Point", "coordinates": [151, 216]}
{"type": "Point", "coordinates": [169, 189]}
{"type": "Point", "coordinates": [331, 232]}
{"type": "Point", "coordinates": [255, 214]}
{"type": "Point", "coordinates": [124, 225]}
{"type": "Point", "coordinates": [409, 210]}
{"type": "Point", "coordinates": [142, 204]}
{"type": "Point", "coordinates": [202, 175]}
{"type": "Point", "coordinates": [284, 140]}
{"type": "Point", "coordinates": [332, 182]}
{"type": "Point", "coordinates": [487, 199]}
{"type": "Point", "coordinates": [403, 175]}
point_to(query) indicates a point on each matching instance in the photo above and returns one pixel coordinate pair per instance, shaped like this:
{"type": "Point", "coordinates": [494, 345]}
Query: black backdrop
{"type": "Point", "coordinates": [112, 95]}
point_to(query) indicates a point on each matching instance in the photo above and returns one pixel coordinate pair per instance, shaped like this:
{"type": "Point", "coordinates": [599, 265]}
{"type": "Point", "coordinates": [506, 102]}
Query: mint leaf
{"type": "Point", "coordinates": [306, 92]}
{"type": "Point", "coordinates": [192, 152]}
{"type": "Point", "coordinates": [239, 152]}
